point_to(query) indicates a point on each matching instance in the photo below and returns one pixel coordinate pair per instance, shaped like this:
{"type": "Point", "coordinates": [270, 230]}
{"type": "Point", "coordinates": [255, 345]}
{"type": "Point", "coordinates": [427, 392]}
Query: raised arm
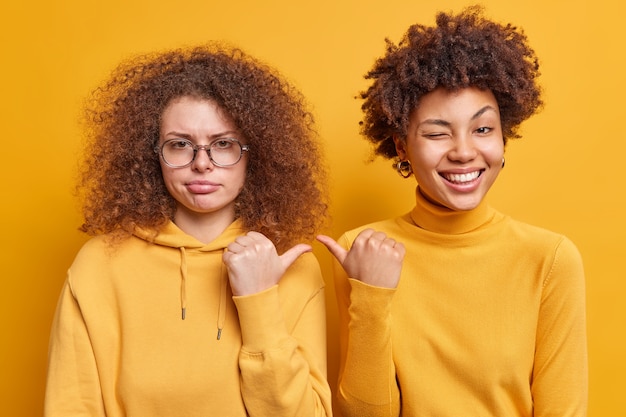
{"type": "Point", "coordinates": [366, 276]}
{"type": "Point", "coordinates": [283, 327]}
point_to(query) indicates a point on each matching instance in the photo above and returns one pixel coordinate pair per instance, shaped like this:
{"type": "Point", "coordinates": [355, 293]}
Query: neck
{"type": "Point", "coordinates": [435, 218]}
{"type": "Point", "coordinates": [203, 226]}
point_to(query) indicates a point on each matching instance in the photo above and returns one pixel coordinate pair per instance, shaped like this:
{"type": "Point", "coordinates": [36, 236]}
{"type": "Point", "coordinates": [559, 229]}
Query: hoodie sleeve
{"type": "Point", "coordinates": [73, 386]}
{"type": "Point", "coordinates": [283, 355]}
{"type": "Point", "coordinates": [367, 375]}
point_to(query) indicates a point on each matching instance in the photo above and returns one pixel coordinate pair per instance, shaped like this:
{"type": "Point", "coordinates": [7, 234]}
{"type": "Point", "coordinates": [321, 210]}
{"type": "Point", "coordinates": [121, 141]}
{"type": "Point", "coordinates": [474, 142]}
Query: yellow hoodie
{"type": "Point", "coordinates": [120, 347]}
{"type": "Point", "coordinates": [488, 320]}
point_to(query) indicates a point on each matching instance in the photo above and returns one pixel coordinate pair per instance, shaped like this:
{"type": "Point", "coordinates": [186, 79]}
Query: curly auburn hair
{"type": "Point", "coordinates": [120, 180]}
{"type": "Point", "coordinates": [463, 50]}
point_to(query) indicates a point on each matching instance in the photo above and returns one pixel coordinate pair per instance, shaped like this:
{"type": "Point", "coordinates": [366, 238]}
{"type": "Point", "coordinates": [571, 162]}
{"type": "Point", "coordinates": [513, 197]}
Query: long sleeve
{"type": "Point", "coordinates": [367, 376]}
{"type": "Point", "coordinates": [559, 385]}
{"type": "Point", "coordinates": [488, 319]}
{"type": "Point", "coordinates": [283, 354]}
{"type": "Point", "coordinates": [73, 387]}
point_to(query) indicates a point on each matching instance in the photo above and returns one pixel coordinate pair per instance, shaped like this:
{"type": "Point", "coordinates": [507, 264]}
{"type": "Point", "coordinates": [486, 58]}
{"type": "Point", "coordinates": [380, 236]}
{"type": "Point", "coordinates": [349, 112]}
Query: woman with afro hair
{"type": "Point", "coordinates": [455, 309]}
{"type": "Point", "coordinates": [194, 297]}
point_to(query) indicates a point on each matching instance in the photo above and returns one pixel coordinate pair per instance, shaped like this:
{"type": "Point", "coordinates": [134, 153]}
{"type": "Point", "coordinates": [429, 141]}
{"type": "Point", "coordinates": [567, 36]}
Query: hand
{"type": "Point", "coordinates": [253, 264]}
{"type": "Point", "coordinates": [373, 259]}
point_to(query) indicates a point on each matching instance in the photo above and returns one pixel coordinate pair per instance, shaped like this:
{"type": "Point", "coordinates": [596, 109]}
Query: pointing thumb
{"type": "Point", "coordinates": [335, 248]}
{"type": "Point", "coordinates": [294, 253]}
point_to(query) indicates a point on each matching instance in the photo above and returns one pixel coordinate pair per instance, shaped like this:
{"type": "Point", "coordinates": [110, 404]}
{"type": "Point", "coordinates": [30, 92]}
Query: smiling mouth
{"type": "Point", "coordinates": [462, 178]}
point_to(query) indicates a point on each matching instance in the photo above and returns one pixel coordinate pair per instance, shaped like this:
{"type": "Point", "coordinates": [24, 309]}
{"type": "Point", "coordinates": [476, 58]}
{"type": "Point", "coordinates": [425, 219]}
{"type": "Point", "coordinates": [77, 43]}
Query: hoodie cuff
{"type": "Point", "coordinates": [261, 320]}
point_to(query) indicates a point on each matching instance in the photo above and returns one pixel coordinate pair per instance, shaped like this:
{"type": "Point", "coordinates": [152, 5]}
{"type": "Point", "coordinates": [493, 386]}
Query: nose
{"type": "Point", "coordinates": [202, 161]}
{"type": "Point", "coordinates": [463, 149]}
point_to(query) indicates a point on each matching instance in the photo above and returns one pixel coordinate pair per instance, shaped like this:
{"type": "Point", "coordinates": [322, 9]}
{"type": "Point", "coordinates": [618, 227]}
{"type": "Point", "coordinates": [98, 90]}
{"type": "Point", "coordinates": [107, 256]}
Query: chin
{"type": "Point", "coordinates": [456, 202]}
{"type": "Point", "coordinates": [463, 205]}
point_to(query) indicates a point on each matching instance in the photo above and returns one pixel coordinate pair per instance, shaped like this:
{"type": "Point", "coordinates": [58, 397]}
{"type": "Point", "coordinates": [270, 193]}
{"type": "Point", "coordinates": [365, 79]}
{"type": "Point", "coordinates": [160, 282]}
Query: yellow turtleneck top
{"type": "Point", "coordinates": [488, 320]}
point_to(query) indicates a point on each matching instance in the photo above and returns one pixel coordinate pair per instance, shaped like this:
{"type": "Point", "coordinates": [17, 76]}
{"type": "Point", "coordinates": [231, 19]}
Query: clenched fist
{"type": "Point", "coordinates": [253, 264]}
{"type": "Point", "coordinates": [373, 259]}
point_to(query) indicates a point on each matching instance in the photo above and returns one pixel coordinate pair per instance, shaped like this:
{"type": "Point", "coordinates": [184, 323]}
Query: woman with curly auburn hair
{"type": "Point", "coordinates": [202, 166]}
{"type": "Point", "coordinates": [455, 309]}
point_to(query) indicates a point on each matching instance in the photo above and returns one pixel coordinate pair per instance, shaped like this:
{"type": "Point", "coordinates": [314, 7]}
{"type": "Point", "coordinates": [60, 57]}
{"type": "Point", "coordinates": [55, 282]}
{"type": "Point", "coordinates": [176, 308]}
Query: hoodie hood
{"type": "Point", "coordinates": [173, 237]}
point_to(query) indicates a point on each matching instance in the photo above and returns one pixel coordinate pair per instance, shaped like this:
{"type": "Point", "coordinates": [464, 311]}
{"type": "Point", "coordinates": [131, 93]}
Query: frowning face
{"type": "Point", "coordinates": [201, 188]}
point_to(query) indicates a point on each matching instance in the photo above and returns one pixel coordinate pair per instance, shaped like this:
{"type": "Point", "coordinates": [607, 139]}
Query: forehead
{"type": "Point", "coordinates": [188, 101]}
{"type": "Point", "coordinates": [450, 105]}
{"type": "Point", "coordinates": [195, 112]}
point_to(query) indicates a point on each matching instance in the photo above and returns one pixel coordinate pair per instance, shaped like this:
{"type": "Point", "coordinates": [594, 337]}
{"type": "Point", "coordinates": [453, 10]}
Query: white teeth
{"type": "Point", "coordinates": [461, 178]}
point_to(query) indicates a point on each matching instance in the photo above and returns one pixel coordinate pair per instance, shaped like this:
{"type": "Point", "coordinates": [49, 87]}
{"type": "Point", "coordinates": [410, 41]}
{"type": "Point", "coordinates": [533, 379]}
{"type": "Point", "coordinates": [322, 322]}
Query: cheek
{"type": "Point", "coordinates": [165, 173]}
{"type": "Point", "coordinates": [242, 172]}
{"type": "Point", "coordinates": [495, 153]}
{"type": "Point", "coordinates": [169, 178]}
{"type": "Point", "coordinates": [427, 154]}
{"type": "Point", "coordinates": [242, 180]}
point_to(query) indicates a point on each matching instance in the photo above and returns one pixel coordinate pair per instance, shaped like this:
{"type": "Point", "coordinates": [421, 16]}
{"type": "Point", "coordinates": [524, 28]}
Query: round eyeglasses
{"type": "Point", "coordinates": [179, 153]}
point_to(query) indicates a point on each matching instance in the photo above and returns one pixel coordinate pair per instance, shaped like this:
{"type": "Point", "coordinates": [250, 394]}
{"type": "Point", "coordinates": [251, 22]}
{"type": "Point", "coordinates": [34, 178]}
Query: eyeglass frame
{"type": "Point", "coordinates": [159, 150]}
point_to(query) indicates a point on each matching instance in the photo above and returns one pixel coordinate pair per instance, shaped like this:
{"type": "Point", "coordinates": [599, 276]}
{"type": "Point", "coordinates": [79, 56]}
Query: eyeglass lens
{"type": "Point", "coordinates": [223, 152]}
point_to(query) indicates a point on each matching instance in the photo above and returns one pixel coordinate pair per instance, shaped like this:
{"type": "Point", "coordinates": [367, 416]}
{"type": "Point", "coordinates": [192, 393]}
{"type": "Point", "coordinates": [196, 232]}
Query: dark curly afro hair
{"type": "Point", "coordinates": [121, 185]}
{"type": "Point", "coordinates": [463, 50]}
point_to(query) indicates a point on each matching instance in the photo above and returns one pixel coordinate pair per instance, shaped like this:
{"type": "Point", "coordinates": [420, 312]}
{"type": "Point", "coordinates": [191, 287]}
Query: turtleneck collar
{"type": "Point", "coordinates": [438, 219]}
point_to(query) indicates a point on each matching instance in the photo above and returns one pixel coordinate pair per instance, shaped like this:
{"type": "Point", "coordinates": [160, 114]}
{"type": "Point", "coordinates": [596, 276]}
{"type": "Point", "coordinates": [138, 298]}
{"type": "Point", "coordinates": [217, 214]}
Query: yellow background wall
{"type": "Point", "coordinates": [565, 174]}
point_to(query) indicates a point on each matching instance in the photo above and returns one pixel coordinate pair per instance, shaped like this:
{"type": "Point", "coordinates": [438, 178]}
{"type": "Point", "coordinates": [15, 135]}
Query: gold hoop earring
{"type": "Point", "coordinates": [404, 168]}
{"type": "Point", "coordinates": [503, 162]}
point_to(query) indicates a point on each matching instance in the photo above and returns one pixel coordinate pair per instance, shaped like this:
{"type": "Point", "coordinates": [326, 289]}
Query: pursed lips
{"type": "Point", "coordinates": [202, 187]}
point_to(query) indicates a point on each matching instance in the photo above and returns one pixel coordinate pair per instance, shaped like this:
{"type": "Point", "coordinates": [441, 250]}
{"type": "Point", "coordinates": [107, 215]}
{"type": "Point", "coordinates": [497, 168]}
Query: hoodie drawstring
{"type": "Point", "coordinates": [221, 311]}
{"type": "Point", "coordinates": [183, 282]}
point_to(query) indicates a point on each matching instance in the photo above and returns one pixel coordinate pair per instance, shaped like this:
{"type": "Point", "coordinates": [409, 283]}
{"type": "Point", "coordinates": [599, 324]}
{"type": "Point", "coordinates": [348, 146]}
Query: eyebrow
{"type": "Point", "coordinates": [445, 123]}
{"type": "Point", "coordinates": [227, 133]}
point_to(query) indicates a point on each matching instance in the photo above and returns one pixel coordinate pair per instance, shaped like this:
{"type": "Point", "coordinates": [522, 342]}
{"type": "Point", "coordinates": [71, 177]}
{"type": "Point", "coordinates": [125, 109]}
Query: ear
{"type": "Point", "coordinates": [400, 147]}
